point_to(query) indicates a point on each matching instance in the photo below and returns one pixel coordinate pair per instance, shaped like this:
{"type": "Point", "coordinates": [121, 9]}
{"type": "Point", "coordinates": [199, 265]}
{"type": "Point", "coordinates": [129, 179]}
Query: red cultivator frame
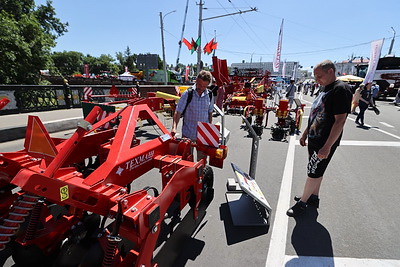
{"type": "Point", "coordinates": [69, 188]}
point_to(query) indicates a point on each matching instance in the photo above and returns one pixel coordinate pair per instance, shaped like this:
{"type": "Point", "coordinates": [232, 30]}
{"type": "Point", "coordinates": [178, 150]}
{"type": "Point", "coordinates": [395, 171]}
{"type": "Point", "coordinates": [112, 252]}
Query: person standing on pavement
{"type": "Point", "coordinates": [356, 99]}
{"type": "Point", "coordinates": [290, 92]}
{"type": "Point", "coordinates": [375, 92]}
{"type": "Point", "coordinates": [396, 101]}
{"type": "Point", "coordinates": [199, 108]}
{"type": "Point", "coordinates": [364, 102]}
{"type": "Point", "coordinates": [324, 131]}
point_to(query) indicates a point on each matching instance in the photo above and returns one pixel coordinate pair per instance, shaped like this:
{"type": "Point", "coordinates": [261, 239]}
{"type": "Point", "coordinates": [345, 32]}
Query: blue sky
{"type": "Point", "coordinates": [313, 30]}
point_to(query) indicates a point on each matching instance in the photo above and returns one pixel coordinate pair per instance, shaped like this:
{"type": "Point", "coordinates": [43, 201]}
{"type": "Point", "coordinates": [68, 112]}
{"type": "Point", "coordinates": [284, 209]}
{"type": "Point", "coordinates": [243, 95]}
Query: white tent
{"type": "Point", "coordinates": [126, 76]}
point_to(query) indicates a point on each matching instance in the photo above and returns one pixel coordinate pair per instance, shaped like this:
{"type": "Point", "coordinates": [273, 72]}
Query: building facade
{"type": "Point", "coordinates": [257, 68]}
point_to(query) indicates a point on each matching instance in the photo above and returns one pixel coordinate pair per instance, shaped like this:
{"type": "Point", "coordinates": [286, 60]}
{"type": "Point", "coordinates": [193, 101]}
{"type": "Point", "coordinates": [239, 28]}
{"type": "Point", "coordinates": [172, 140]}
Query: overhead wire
{"type": "Point", "coordinates": [240, 26]}
{"type": "Point", "coordinates": [250, 28]}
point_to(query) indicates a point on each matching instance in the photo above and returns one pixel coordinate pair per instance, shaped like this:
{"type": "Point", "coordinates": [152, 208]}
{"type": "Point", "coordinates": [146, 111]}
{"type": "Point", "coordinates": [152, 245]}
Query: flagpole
{"type": "Point", "coordinates": [199, 47]}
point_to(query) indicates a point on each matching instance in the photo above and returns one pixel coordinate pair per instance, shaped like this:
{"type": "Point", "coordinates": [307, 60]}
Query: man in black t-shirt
{"type": "Point", "coordinates": [324, 130]}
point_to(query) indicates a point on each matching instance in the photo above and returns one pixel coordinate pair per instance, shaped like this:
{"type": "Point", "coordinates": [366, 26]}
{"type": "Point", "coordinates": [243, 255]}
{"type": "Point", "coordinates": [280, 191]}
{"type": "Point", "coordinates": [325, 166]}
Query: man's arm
{"type": "Point", "coordinates": [336, 130]}
{"type": "Point", "coordinates": [177, 117]}
{"type": "Point", "coordinates": [303, 137]}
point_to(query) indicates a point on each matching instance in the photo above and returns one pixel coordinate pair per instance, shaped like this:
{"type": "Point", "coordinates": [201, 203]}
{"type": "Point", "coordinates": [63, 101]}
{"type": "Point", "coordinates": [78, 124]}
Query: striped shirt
{"type": "Point", "coordinates": [198, 109]}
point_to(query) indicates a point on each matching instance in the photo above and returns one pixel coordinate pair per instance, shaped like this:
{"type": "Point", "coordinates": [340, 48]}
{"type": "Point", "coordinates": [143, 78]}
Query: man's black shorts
{"type": "Point", "coordinates": [316, 167]}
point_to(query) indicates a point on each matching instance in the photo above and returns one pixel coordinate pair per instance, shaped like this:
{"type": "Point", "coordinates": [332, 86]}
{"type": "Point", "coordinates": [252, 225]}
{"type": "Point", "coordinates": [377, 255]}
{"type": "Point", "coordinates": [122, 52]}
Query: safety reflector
{"type": "Point", "coordinates": [208, 134]}
{"type": "Point", "coordinates": [37, 140]}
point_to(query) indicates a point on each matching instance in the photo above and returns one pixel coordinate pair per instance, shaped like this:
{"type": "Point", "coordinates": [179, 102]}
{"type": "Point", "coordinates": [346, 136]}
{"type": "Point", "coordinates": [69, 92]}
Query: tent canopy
{"type": "Point", "coordinates": [126, 76]}
{"type": "Point", "coordinates": [350, 78]}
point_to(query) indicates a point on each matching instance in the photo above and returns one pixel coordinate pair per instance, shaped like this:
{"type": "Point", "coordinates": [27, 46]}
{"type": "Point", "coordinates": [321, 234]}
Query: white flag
{"type": "Point", "coordinates": [284, 69]}
{"type": "Point", "coordinates": [277, 57]}
{"type": "Point", "coordinates": [376, 47]}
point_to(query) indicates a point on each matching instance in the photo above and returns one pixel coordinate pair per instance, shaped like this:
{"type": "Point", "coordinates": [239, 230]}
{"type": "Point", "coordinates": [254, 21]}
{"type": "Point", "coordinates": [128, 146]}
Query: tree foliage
{"type": "Point", "coordinates": [126, 59]}
{"type": "Point", "coordinates": [27, 33]}
{"type": "Point", "coordinates": [68, 62]}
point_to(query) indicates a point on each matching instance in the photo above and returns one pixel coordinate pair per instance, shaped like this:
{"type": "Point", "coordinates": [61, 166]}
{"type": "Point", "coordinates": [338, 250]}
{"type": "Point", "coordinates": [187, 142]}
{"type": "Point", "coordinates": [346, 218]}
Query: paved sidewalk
{"type": "Point", "coordinates": [13, 126]}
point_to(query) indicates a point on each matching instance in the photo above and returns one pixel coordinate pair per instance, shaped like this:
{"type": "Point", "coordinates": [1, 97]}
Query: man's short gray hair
{"type": "Point", "coordinates": [326, 65]}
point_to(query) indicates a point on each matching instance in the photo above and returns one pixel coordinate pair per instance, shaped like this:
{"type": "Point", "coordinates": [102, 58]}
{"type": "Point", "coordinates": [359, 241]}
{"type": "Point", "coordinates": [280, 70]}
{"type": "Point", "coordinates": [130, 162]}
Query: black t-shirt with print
{"type": "Point", "coordinates": [334, 99]}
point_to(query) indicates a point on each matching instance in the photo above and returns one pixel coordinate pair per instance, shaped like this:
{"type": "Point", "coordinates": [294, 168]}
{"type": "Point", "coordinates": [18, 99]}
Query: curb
{"type": "Point", "coordinates": [11, 134]}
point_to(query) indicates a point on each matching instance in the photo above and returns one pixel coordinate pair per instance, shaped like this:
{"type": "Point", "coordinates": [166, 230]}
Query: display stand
{"type": "Point", "coordinates": [246, 202]}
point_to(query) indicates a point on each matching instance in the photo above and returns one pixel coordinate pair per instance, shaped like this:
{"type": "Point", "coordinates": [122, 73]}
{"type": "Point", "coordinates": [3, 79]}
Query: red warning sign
{"type": "Point", "coordinates": [208, 134]}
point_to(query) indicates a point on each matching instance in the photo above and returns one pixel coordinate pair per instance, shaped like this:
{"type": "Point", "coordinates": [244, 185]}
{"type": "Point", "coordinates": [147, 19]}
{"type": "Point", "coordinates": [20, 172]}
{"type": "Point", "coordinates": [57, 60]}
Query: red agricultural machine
{"type": "Point", "coordinates": [68, 202]}
{"type": "Point", "coordinates": [287, 124]}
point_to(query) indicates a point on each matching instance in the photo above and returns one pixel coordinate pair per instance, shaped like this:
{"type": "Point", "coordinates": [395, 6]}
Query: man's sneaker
{"type": "Point", "coordinates": [298, 209]}
{"type": "Point", "coordinates": [313, 200]}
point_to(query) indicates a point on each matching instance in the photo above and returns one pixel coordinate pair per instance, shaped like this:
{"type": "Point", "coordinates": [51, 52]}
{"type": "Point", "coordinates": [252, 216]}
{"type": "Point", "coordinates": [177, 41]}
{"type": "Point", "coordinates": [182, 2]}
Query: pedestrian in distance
{"type": "Point", "coordinates": [197, 107]}
{"type": "Point", "coordinates": [356, 99]}
{"type": "Point", "coordinates": [324, 131]}
{"type": "Point", "coordinates": [290, 91]}
{"type": "Point", "coordinates": [375, 92]}
{"type": "Point", "coordinates": [364, 102]}
{"type": "Point", "coordinates": [396, 101]}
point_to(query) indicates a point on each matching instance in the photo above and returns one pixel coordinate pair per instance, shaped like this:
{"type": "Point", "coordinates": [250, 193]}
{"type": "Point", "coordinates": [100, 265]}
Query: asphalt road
{"type": "Point", "coordinates": [356, 224]}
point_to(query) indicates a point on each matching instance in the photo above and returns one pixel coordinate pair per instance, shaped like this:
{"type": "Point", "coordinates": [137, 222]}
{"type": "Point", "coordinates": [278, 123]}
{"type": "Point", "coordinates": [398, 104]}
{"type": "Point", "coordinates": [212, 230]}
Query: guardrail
{"type": "Point", "coordinates": [32, 98]}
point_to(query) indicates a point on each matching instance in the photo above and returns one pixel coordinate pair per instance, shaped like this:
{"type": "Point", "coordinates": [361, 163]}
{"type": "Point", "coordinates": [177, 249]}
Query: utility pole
{"type": "Point", "coordinates": [163, 46]}
{"type": "Point", "coordinates": [391, 44]}
{"type": "Point", "coordinates": [199, 34]}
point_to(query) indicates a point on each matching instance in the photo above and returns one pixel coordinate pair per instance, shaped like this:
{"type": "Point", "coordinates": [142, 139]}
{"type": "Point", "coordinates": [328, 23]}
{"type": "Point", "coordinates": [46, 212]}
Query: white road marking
{"type": "Point", "coordinates": [295, 261]}
{"type": "Point", "coordinates": [365, 143]}
{"type": "Point", "coordinates": [277, 245]}
{"type": "Point", "coordinates": [377, 129]}
{"type": "Point", "coordinates": [386, 124]}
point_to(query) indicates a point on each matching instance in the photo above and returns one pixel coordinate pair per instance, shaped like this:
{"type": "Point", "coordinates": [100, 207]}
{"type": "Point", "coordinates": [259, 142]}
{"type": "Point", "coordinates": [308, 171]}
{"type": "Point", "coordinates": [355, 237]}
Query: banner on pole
{"type": "Point", "coordinates": [277, 57]}
{"type": "Point", "coordinates": [376, 47]}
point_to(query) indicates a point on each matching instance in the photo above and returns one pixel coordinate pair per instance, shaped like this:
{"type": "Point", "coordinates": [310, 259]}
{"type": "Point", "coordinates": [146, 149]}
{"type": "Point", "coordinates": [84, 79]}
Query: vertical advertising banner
{"type": "Point", "coordinates": [284, 69]}
{"type": "Point", "coordinates": [277, 57]}
{"type": "Point", "coordinates": [376, 47]}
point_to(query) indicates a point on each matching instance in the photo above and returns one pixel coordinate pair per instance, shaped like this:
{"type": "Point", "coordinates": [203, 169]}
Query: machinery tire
{"type": "Point", "coordinates": [208, 183]}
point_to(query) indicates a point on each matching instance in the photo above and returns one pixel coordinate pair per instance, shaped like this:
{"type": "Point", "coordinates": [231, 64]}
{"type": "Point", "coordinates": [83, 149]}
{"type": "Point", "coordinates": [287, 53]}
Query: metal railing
{"type": "Point", "coordinates": [31, 98]}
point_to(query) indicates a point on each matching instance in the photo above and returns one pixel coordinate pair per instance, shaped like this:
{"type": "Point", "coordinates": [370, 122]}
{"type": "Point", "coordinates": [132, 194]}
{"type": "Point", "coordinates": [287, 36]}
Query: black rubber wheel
{"type": "Point", "coordinates": [208, 183]}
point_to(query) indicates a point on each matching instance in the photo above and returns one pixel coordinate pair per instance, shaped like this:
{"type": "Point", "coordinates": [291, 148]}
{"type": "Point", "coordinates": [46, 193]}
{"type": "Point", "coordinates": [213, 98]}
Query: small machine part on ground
{"type": "Point", "coordinates": [57, 195]}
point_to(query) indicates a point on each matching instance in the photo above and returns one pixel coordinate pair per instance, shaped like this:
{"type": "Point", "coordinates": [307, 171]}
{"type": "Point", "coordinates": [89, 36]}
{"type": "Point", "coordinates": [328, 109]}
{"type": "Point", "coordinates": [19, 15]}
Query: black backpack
{"type": "Point", "coordinates": [190, 96]}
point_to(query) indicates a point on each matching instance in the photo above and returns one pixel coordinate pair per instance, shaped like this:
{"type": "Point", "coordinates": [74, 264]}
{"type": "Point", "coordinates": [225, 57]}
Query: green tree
{"type": "Point", "coordinates": [27, 33]}
{"type": "Point", "coordinates": [68, 62]}
{"type": "Point", "coordinates": [126, 59]}
{"type": "Point", "coordinates": [104, 63]}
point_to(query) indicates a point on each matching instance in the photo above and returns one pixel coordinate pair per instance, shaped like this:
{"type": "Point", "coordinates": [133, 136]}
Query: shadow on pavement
{"type": "Point", "coordinates": [236, 234]}
{"type": "Point", "coordinates": [310, 238]}
{"type": "Point", "coordinates": [182, 245]}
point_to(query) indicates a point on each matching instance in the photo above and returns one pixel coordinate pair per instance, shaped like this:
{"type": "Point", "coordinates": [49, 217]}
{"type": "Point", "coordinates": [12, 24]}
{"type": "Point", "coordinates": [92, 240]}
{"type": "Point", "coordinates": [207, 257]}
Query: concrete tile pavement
{"type": "Point", "coordinates": [13, 126]}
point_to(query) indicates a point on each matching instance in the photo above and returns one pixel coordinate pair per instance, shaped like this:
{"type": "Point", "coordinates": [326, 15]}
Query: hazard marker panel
{"type": "Point", "coordinates": [87, 93]}
{"type": "Point", "coordinates": [208, 134]}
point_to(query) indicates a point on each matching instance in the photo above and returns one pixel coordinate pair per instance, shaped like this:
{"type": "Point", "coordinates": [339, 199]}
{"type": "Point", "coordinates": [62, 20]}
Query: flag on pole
{"type": "Point", "coordinates": [294, 71]}
{"type": "Point", "coordinates": [376, 47]}
{"type": "Point", "coordinates": [284, 69]}
{"type": "Point", "coordinates": [210, 46]}
{"type": "Point", "coordinates": [192, 46]}
{"type": "Point", "coordinates": [277, 56]}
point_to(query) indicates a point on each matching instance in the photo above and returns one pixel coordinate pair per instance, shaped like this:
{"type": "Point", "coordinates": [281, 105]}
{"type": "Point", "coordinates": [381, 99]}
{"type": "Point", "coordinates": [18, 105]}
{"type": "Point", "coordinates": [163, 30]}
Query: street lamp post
{"type": "Point", "coordinates": [163, 46]}
{"type": "Point", "coordinates": [391, 43]}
